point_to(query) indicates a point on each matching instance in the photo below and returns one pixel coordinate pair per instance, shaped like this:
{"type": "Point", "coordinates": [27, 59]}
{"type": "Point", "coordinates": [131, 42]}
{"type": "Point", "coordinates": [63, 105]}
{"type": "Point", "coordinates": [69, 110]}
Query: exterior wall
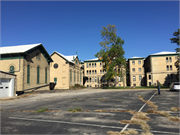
{"type": "Point", "coordinates": [18, 68]}
{"type": "Point", "coordinates": [34, 63]}
{"type": "Point", "coordinates": [62, 73]}
{"type": "Point", "coordinates": [160, 72]}
{"type": "Point", "coordinates": [136, 73]}
{"type": "Point", "coordinates": [92, 82]}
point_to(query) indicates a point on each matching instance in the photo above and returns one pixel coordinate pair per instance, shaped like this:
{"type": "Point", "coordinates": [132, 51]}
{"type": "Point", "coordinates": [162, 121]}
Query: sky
{"type": "Point", "coordinates": [74, 26]}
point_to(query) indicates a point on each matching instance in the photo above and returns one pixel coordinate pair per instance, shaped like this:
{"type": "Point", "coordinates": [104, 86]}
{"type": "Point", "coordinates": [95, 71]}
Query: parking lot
{"type": "Point", "coordinates": [101, 111]}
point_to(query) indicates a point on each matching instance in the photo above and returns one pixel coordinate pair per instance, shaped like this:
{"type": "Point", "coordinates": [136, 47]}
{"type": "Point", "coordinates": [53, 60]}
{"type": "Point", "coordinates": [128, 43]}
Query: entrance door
{"type": "Point", "coordinates": [4, 87]}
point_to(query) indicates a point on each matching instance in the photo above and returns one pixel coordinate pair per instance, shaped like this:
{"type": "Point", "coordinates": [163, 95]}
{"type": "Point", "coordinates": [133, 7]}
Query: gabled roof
{"type": "Point", "coordinates": [17, 49]}
{"type": "Point", "coordinates": [136, 58]}
{"type": "Point", "coordinates": [164, 53]}
{"type": "Point", "coordinates": [93, 60]}
{"type": "Point", "coordinates": [25, 49]}
{"type": "Point", "coordinates": [67, 58]}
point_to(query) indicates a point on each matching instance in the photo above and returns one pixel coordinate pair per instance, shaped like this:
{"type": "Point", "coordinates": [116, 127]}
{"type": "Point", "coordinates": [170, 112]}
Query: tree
{"type": "Point", "coordinates": [111, 53]}
{"type": "Point", "coordinates": [176, 40]}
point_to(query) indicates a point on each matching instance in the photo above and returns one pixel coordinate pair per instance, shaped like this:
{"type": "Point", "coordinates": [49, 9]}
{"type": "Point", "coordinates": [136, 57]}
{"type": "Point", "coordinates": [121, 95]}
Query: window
{"type": "Point", "coordinates": [87, 65]}
{"type": "Point", "coordinates": [100, 71]}
{"type": "Point", "coordinates": [78, 77]}
{"type": "Point", "coordinates": [11, 70]}
{"type": "Point", "coordinates": [90, 65]}
{"type": "Point", "coordinates": [55, 80]}
{"type": "Point", "coordinates": [134, 84]}
{"type": "Point", "coordinates": [170, 67]}
{"type": "Point", "coordinates": [87, 80]}
{"type": "Point", "coordinates": [28, 74]}
{"type": "Point", "coordinates": [98, 79]}
{"type": "Point", "coordinates": [87, 85]}
{"type": "Point", "coordinates": [119, 79]}
{"type": "Point", "coordinates": [171, 76]}
{"type": "Point", "coordinates": [90, 72]}
{"type": "Point", "coordinates": [134, 78]}
{"type": "Point", "coordinates": [120, 85]}
{"type": "Point", "coordinates": [149, 83]}
{"type": "Point", "coordinates": [140, 77]}
{"type": "Point", "coordinates": [55, 65]}
{"type": "Point", "coordinates": [133, 62]}
{"type": "Point", "coordinates": [46, 75]}
{"type": "Point", "coordinates": [95, 86]}
{"type": "Point", "coordinates": [37, 75]}
{"type": "Point", "coordinates": [167, 68]}
{"type": "Point", "coordinates": [170, 59]}
{"type": "Point", "coordinates": [74, 76]}
{"type": "Point", "coordinates": [70, 76]}
{"type": "Point", "coordinates": [87, 72]}
{"type": "Point", "coordinates": [100, 64]}
{"type": "Point", "coordinates": [38, 56]}
{"type": "Point", "coordinates": [149, 77]}
{"type": "Point", "coordinates": [139, 62]}
{"type": "Point", "coordinates": [95, 72]}
{"type": "Point", "coordinates": [166, 59]}
{"type": "Point", "coordinates": [104, 71]}
{"type": "Point", "coordinates": [95, 64]}
{"type": "Point", "coordinates": [139, 69]}
{"type": "Point", "coordinates": [133, 69]}
{"type": "Point", "coordinates": [95, 79]}
{"type": "Point", "coordinates": [92, 79]}
{"type": "Point", "coordinates": [168, 76]}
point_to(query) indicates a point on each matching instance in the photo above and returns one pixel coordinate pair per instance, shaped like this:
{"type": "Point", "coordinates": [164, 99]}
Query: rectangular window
{"type": "Point", "coordinates": [90, 72]}
{"type": "Point", "coordinates": [100, 64]}
{"type": "Point", "coordinates": [92, 64]}
{"type": "Point", "coordinates": [133, 69]}
{"type": "Point", "coordinates": [92, 79]}
{"type": "Point", "coordinates": [46, 75]}
{"type": "Point", "coordinates": [78, 77]}
{"type": "Point", "coordinates": [89, 65]}
{"type": "Point", "coordinates": [133, 62]}
{"type": "Point", "coordinates": [93, 72]}
{"type": "Point", "coordinates": [37, 75]}
{"type": "Point", "coordinates": [28, 74]}
{"type": "Point", "coordinates": [87, 72]}
{"type": "Point", "coordinates": [120, 85]}
{"type": "Point", "coordinates": [119, 78]}
{"type": "Point", "coordinates": [166, 59]}
{"type": "Point", "coordinates": [139, 69]}
{"type": "Point", "coordinates": [98, 79]}
{"type": "Point", "coordinates": [100, 71]}
{"type": "Point", "coordinates": [140, 77]}
{"type": "Point", "coordinates": [167, 68]}
{"type": "Point", "coordinates": [95, 79]}
{"type": "Point", "coordinates": [170, 59]}
{"type": "Point", "coordinates": [70, 76]}
{"type": "Point", "coordinates": [149, 83]}
{"type": "Point", "coordinates": [95, 64]}
{"type": "Point", "coordinates": [139, 62]}
{"type": "Point", "coordinates": [149, 77]}
{"type": "Point", "coordinates": [55, 80]}
{"type": "Point", "coordinates": [134, 78]}
{"type": "Point", "coordinates": [74, 76]}
{"type": "Point", "coordinates": [170, 67]}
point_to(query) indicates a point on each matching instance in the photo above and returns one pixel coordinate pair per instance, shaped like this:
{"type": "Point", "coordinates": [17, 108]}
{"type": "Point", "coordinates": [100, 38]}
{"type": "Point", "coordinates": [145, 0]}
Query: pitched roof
{"type": "Point", "coordinates": [67, 58]}
{"type": "Point", "coordinates": [163, 53]}
{"type": "Point", "coordinates": [17, 49]}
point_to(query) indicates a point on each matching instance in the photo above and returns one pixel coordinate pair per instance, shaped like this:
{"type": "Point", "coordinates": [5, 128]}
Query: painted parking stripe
{"type": "Point", "coordinates": [85, 124]}
{"type": "Point", "coordinates": [138, 111]}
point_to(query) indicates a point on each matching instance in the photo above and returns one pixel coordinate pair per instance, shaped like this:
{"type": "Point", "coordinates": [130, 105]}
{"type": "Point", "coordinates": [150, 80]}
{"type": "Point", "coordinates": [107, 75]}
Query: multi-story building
{"type": "Point", "coordinates": [66, 71]}
{"type": "Point", "coordinates": [93, 71]}
{"type": "Point", "coordinates": [31, 64]}
{"type": "Point", "coordinates": [160, 66]}
{"type": "Point", "coordinates": [136, 76]}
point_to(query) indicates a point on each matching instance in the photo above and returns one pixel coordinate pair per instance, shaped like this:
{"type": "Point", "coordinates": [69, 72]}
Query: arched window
{"type": "Point", "coordinates": [37, 75]}
{"type": "Point", "coordinates": [28, 74]}
{"type": "Point", "coordinates": [11, 69]}
{"type": "Point", "coordinates": [45, 75]}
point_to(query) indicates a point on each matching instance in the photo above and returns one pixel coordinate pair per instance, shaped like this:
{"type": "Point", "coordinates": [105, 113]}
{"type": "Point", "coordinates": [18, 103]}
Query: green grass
{"type": "Point", "coordinates": [137, 87]}
{"type": "Point", "coordinates": [43, 109]}
{"type": "Point", "coordinates": [75, 110]}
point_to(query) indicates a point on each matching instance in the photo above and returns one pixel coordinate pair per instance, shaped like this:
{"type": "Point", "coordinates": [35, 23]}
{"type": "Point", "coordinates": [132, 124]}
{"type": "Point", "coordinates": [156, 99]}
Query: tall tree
{"type": "Point", "coordinates": [176, 40]}
{"type": "Point", "coordinates": [111, 53]}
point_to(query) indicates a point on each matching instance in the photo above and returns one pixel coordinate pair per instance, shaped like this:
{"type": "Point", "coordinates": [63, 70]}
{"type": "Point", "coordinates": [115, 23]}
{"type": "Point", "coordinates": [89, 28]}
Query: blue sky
{"type": "Point", "coordinates": [67, 27]}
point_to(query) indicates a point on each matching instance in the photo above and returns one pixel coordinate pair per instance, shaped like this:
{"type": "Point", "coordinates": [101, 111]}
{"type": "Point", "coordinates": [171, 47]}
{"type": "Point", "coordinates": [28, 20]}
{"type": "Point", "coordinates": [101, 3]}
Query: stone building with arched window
{"type": "Point", "coordinates": [31, 64]}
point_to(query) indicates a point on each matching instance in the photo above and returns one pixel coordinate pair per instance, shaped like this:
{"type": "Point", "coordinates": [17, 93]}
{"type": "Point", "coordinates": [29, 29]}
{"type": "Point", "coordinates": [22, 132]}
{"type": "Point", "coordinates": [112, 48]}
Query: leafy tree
{"type": "Point", "coordinates": [176, 40]}
{"type": "Point", "coordinates": [111, 53]}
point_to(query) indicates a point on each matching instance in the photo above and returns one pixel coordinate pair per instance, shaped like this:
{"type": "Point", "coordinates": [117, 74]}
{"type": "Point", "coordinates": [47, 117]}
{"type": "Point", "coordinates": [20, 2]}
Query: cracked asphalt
{"type": "Point", "coordinates": [88, 121]}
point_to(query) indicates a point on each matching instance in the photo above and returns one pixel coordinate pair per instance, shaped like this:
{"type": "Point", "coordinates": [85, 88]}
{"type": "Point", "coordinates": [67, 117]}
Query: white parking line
{"type": "Point", "coordinates": [85, 124]}
{"type": "Point", "coordinates": [138, 111]}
